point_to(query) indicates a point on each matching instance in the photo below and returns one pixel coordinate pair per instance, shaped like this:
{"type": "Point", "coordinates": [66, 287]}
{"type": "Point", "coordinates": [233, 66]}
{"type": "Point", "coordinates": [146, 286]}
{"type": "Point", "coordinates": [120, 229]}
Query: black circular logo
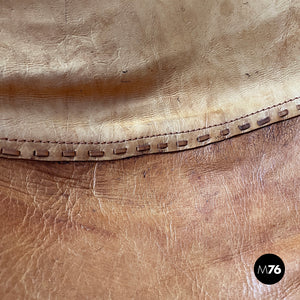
{"type": "Point", "coordinates": [269, 269]}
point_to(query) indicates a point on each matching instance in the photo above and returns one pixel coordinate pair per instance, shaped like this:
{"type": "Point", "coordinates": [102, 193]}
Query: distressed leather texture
{"type": "Point", "coordinates": [186, 225]}
{"type": "Point", "coordinates": [102, 80]}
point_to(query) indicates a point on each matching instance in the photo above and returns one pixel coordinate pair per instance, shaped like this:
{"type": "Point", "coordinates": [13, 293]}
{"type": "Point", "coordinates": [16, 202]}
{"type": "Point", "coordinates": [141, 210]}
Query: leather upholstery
{"type": "Point", "coordinates": [187, 225]}
{"type": "Point", "coordinates": [98, 80]}
{"type": "Point", "coordinates": [102, 80]}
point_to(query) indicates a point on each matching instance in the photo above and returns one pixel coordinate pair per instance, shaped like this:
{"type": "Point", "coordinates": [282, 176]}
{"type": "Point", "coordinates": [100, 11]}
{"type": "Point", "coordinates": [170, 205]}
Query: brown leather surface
{"type": "Point", "coordinates": [186, 225]}
{"type": "Point", "coordinates": [112, 76]}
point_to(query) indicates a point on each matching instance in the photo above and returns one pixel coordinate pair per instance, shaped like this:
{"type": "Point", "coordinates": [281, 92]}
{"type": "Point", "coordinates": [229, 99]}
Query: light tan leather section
{"type": "Point", "coordinates": [98, 80]}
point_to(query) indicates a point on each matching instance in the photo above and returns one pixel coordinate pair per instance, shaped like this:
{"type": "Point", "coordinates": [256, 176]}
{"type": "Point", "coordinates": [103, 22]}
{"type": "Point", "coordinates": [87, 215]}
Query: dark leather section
{"type": "Point", "coordinates": [186, 225]}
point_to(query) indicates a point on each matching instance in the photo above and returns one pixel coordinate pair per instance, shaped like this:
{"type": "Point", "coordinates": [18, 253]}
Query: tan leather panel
{"type": "Point", "coordinates": [187, 225]}
{"type": "Point", "coordinates": [116, 76]}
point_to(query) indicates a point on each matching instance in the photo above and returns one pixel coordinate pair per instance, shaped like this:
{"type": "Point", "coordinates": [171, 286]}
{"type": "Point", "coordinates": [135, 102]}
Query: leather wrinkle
{"type": "Point", "coordinates": [139, 82]}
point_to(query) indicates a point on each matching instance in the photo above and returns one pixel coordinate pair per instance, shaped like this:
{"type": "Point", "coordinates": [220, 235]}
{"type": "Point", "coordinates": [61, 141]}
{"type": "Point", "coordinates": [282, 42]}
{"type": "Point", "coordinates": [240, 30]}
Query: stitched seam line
{"type": "Point", "coordinates": [155, 135]}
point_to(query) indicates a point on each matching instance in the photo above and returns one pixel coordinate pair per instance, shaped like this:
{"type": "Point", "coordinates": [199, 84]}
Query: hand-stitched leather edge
{"type": "Point", "coordinates": [155, 135]}
{"type": "Point", "coordinates": [166, 142]}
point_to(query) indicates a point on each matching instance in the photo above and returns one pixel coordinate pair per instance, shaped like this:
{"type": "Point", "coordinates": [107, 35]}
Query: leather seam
{"type": "Point", "coordinates": [151, 136]}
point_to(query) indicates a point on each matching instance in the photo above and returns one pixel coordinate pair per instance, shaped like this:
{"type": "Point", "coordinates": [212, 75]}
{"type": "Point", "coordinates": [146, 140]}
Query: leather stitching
{"type": "Point", "coordinates": [155, 135]}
